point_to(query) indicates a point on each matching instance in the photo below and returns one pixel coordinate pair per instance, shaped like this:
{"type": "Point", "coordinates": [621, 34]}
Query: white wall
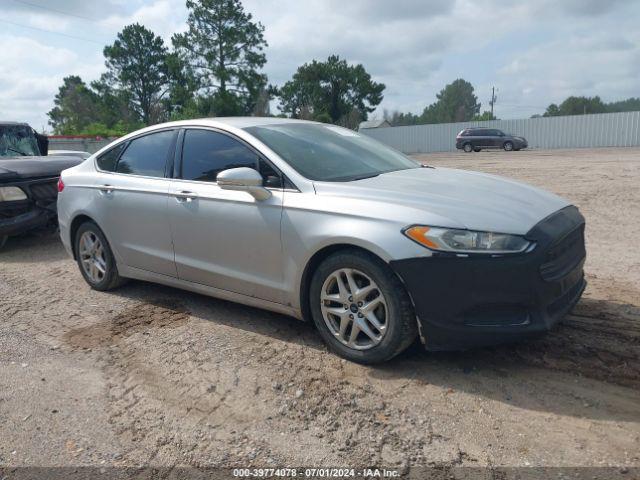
{"type": "Point", "coordinates": [597, 130]}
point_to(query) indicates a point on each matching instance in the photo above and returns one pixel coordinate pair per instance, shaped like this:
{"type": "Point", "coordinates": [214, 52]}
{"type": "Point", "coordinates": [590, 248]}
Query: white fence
{"type": "Point", "coordinates": [597, 130]}
{"type": "Point", "coordinates": [90, 145]}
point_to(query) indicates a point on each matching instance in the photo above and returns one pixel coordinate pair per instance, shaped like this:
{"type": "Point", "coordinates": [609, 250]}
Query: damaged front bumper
{"type": "Point", "coordinates": [38, 210]}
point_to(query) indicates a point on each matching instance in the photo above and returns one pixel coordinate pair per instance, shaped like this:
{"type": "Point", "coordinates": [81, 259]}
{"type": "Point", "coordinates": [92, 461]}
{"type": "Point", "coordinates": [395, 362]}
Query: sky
{"type": "Point", "coordinates": [533, 52]}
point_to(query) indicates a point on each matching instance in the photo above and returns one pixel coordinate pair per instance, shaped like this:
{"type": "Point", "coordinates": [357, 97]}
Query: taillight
{"type": "Point", "coordinates": [60, 185]}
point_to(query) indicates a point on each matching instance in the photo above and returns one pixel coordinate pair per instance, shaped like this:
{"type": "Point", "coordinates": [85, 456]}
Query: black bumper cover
{"type": "Point", "coordinates": [465, 302]}
{"type": "Point", "coordinates": [37, 216]}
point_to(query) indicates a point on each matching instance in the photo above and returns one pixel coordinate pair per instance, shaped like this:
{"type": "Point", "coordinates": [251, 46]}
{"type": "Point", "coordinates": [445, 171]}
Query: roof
{"type": "Point", "coordinates": [374, 124]}
{"type": "Point", "coordinates": [2, 122]}
{"type": "Point", "coordinates": [246, 122]}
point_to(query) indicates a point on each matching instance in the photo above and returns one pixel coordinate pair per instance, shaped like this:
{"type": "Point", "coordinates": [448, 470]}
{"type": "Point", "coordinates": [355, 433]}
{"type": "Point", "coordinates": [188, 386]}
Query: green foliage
{"type": "Point", "coordinates": [224, 49]}
{"type": "Point", "coordinates": [75, 106]}
{"type": "Point", "coordinates": [576, 106]}
{"type": "Point", "coordinates": [456, 102]}
{"type": "Point", "coordinates": [331, 91]}
{"type": "Point", "coordinates": [399, 119]}
{"type": "Point", "coordinates": [586, 105]}
{"type": "Point", "coordinates": [137, 63]}
{"type": "Point", "coordinates": [486, 115]}
{"type": "Point", "coordinates": [98, 129]}
{"type": "Point", "coordinates": [628, 105]}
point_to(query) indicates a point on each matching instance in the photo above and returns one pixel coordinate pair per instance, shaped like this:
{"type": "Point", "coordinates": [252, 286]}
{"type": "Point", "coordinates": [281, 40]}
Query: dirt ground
{"type": "Point", "coordinates": [148, 375]}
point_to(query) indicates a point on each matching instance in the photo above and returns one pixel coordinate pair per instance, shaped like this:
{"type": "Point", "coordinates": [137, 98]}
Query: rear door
{"type": "Point", "coordinates": [131, 201]}
{"type": "Point", "coordinates": [225, 239]}
{"type": "Point", "coordinates": [497, 138]}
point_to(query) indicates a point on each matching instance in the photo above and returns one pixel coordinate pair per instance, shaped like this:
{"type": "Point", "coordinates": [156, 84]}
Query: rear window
{"type": "Point", "coordinates": [107, 161]}
{"type": "Point", "coordinates": [147, 155]}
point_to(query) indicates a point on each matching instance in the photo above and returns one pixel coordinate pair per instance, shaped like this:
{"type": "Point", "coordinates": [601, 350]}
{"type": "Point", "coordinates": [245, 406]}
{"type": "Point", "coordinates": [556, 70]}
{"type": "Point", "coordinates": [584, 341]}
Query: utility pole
{"type": "Point", "coordinates": [493, 99]}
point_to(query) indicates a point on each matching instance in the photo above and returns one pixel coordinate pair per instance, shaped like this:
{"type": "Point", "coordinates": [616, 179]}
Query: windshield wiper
{"type": "Point", "coordinates": [362, 177]}
{"type": "Point", "coordinates": [18, 151]}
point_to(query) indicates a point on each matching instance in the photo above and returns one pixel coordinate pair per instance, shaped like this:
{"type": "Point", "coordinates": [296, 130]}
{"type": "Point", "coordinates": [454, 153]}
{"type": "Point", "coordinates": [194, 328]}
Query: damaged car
{"type": "Point", "coordinates": [327, 225]}
{"type": "Point", "coordinates": [28, 180]}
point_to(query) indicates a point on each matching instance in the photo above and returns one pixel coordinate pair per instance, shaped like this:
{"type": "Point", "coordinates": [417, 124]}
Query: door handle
{"type": "Point", "coordinates": [106, 189]}
{"type": "Point", "coordinates": [185, 196]}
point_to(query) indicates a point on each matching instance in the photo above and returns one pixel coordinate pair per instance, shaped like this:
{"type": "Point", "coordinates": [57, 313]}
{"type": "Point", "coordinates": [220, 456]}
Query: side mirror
{"type": "Point", "coordinates": [243, 179]}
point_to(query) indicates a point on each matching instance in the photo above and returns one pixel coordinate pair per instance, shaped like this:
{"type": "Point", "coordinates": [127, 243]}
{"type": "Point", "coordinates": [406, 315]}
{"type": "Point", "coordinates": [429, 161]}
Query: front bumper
{"type": "Point", "coordinates": [38, 210]}
{"type": "Point", "coordinates": [465, 302]}
{"type": "Point", "coordinates": [34, 218]}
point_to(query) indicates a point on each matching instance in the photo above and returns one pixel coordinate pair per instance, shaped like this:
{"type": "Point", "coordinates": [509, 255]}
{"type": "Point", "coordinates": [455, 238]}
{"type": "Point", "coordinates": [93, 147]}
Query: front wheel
{"type": "Point", "coordinates": [468, 147]}
{"type": "Point", "coordinates": [508, 146]}
{"type": "Point", "coordinates": [361, 308]}
{"type": "Point", "coordinates": [95, 258]}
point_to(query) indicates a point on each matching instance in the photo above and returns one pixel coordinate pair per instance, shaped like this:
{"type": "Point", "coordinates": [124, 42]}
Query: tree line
{"type": "Point", "coordinates": [214, 68]}
{"type": "Point", "coordinates": [588, 105]}
{"type": "Point", "coordinates": [456, 102]}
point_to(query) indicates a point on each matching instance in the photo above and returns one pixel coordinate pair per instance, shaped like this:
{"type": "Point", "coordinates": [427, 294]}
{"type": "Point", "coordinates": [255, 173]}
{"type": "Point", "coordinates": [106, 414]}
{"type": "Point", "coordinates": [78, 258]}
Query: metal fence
{"type": "Point", "coordinates": [90, 145]}
{"type": "Point", "coordinates": [576, 131]}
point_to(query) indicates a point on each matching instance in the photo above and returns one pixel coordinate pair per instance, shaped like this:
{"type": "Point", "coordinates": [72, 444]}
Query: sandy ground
{"type": "Point", "coordinates": [148, 375]}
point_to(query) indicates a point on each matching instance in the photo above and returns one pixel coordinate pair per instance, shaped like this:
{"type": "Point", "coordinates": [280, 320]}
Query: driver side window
{"type": "Point", "coordinates": [206, 153]}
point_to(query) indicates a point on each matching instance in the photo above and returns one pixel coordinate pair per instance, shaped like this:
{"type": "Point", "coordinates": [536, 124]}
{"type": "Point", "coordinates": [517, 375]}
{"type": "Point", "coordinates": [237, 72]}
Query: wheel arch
{"type": "Point", "coordinates": [312, 264]}
{"type": "Point", "coordinates": [77, 221]}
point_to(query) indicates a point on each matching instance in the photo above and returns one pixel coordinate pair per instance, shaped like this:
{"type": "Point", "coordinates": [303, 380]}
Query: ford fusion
{"type": "Point", "coordinates": [326, 225]}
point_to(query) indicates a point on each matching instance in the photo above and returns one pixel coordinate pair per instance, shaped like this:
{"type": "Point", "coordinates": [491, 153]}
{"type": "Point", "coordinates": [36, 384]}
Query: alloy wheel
{"type": "Point", "coordinates": [92, 257]}
{"type": "Point", "coordinates": [354, 309]}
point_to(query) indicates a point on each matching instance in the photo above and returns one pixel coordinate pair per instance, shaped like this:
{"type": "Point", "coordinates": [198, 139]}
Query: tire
{"type": "Point", "coordinates": [3, 240]}
{"type": "Point", "coordinates": [477, 149]}
{"type": "Point", "coordinates": [102, 281]}
{"type": "Point", "coordinates": [467, 147]}
{"type": "Point", "coordinates": [399, 327]}
{"type": "Point", "coordinates": [508, 146]}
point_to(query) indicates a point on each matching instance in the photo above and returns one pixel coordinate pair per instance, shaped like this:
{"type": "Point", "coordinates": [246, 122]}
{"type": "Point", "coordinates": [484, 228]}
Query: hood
{"type": "Point", "coordinates": [472, 200]}
{"type": "Point", "coordinates": [34, 167]}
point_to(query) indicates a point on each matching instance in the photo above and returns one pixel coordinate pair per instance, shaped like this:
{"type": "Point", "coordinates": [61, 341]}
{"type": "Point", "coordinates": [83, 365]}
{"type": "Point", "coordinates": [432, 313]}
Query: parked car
{"type": "Point", "coordinates": [28, 179]}
{"type": "Point", "coordinates": [476, 139]}
{"type": "Point", "coordinates": [325, 224]}
{"type": "Point", "coordinates": [69, 153]}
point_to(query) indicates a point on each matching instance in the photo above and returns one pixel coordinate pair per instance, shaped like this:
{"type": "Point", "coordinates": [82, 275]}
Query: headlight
{"type": "Point", "coordinates": [11, 194]}
{"type": "Point", "coordinates": [466, 241]}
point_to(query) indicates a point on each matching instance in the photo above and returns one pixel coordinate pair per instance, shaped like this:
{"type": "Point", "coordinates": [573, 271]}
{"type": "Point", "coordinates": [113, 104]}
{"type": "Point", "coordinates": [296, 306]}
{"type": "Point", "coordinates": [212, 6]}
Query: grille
{"type": "Point", "coordinates": [44, 191]}
{"type": "Point", "coordinates": [564, 255]}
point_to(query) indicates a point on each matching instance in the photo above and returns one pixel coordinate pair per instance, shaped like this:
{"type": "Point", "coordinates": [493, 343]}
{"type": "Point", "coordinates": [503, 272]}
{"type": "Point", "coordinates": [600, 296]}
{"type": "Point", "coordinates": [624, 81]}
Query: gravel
{"type": "Point", "coordinates": [149, 375]}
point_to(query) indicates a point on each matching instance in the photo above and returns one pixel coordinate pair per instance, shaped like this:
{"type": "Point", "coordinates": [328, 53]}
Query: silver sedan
{"type": "Point", "coordinates": [326, 225]}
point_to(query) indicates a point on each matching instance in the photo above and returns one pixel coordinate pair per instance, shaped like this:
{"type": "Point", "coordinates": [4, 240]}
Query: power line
{"type": "Point", "coordinates": [61, 12]}
{"type": "Point", "coordinates": [52, 32]}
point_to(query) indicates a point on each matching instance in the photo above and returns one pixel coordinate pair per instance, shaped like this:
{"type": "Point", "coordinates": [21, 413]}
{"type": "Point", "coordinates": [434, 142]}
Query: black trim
{"type": "Point", "coordinates": [476, 300]}
{"type": "Point", "coordinates": [170, 151]}
{"type": "Point", "coordinates": [177, 171]}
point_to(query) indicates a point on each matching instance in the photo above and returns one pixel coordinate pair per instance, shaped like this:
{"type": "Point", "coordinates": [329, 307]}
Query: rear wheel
{"type": "Point", "coordinates": [468, 147]}
{"type": "Point", "coordinates": [3, 240]}
{"type": "Point", "coordinates": [361, 308]}
{"type": "Point", "coordinates": [95, 258]}
{"type": "Point", "coordinates": [508, 146]}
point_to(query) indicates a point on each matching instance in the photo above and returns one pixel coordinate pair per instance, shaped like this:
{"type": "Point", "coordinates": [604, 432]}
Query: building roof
{"type": "Point", "coordinates": [382, 123]}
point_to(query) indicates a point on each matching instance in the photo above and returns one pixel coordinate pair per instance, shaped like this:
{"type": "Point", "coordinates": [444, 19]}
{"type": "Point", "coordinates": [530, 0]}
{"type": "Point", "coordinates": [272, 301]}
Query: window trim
{"type": "Point", "coordinates": [287, 184]}
{"type": "Point", "coordinates": [128, 141]}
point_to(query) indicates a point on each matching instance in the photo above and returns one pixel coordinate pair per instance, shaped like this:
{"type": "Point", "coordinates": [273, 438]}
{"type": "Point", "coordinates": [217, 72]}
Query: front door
{"type": "Point", "coordinates": [224, 239]}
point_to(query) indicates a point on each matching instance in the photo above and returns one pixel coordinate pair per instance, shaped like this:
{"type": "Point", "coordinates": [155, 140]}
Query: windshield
{"type": "Point", "coordinates": [17, 140]}
{"type": "Point", "coordinates": [329, 153]}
